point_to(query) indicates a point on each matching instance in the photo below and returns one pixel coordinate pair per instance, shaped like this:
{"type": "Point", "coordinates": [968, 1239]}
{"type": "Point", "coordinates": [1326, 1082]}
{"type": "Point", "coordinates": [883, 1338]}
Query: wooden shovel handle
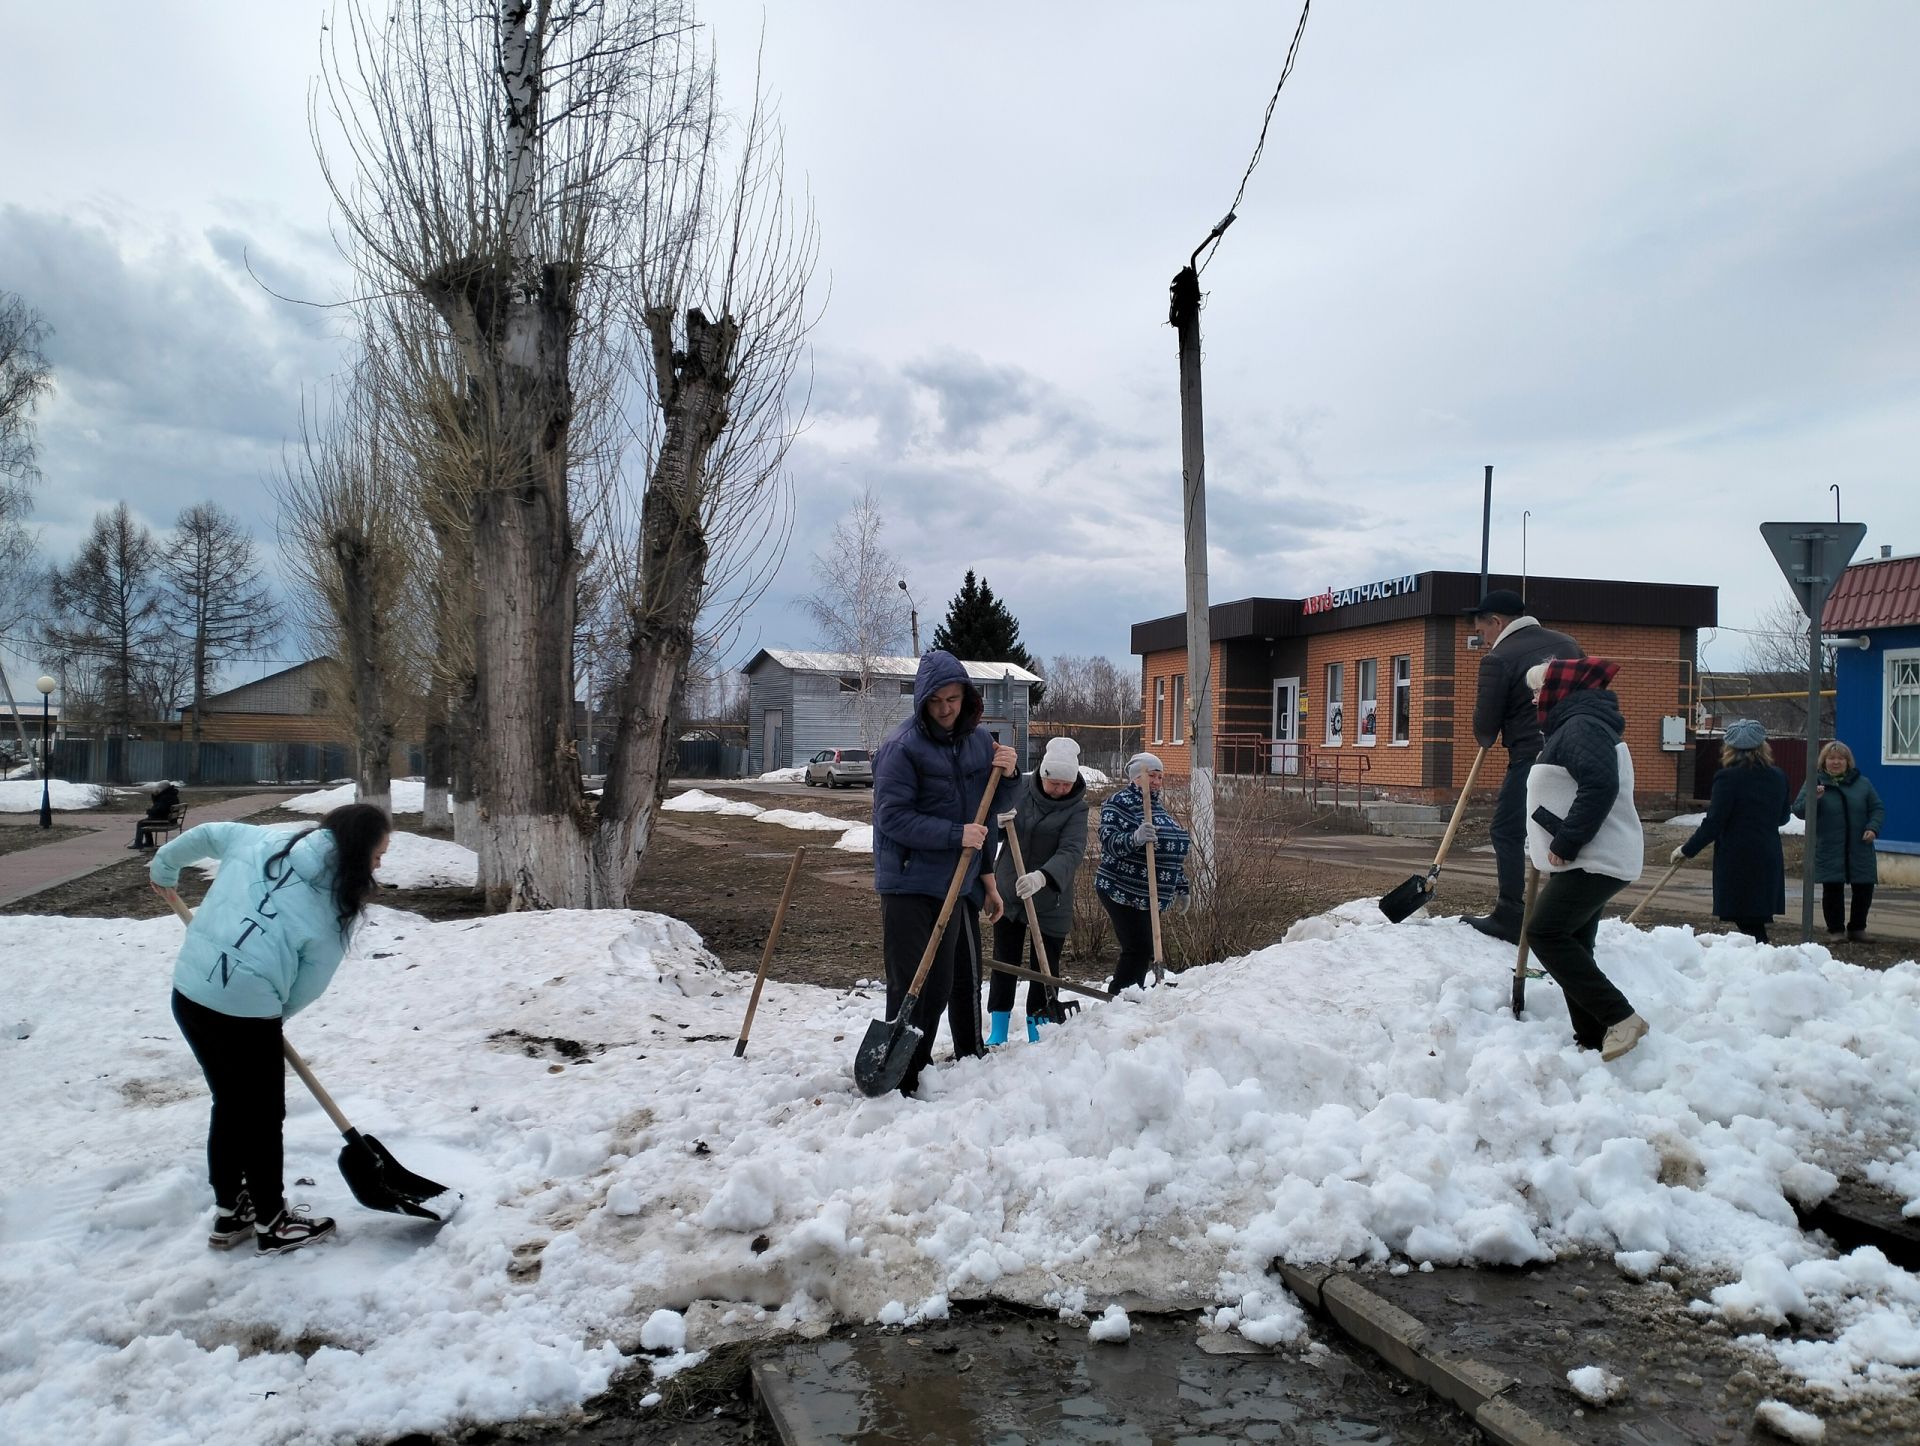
{"type": "Point", "coordinates": [1520, 960]}
{"type": "Point", "coordinates": [1153, 885]}
{"type": "Point", "coordinates": [286, 1045]}
{"type": "Point", "coordinates": [766, 954]}
{"type": "Point", "coordinates": [953, 888]}
{"type": "Point", "coordinates": [1664, 880]}
{"type": "Point", "coordinates": [1460, 808]}
{"type": "Point", "coordinates": [1008, 822]}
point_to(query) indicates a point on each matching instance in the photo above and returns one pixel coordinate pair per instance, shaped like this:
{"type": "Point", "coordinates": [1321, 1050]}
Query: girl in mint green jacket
{"type": "Point", "coordinates": [263, 945]}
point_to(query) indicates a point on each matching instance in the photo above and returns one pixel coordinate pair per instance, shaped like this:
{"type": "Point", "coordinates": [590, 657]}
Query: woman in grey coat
{"type": "Point", "coordinates": [1052, 829]}
{"type": "Point", "coordinates": [1851, 816]}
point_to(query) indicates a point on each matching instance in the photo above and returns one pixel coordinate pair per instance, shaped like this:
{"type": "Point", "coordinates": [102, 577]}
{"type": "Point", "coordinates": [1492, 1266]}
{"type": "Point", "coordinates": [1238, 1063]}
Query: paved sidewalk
{"type": "Point", "coordinates": [29, 871]}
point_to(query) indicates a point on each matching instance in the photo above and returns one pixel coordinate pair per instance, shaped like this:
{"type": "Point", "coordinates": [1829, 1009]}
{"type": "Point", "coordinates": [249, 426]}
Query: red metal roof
{"type": "Point", "coordinates": [1882, 593]}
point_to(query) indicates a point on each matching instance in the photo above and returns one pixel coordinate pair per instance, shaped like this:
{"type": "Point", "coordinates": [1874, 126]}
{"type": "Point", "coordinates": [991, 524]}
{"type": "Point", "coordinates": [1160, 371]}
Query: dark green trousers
{"type": "Point", "coordinates": [1566, 918]}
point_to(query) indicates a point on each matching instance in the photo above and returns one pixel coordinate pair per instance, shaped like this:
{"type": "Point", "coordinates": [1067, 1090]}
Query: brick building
{"type": "Point", "coordinates": [1376, 682]}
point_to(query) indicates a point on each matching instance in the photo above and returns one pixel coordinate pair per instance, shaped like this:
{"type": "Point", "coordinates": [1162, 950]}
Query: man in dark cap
{"type": "Point", "coordinates": [1503, 711]}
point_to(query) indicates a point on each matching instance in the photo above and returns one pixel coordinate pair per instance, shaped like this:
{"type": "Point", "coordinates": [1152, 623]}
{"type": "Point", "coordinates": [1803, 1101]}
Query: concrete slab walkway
{"type": "Point", "coordinates": [25, 872]}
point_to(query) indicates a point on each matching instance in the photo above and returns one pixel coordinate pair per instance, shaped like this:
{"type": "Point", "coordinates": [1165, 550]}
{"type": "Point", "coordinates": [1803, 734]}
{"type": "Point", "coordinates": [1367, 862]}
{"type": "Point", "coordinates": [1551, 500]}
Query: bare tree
{"type": "Point", "coordinates": [543, 181]}
{"type": "Point", "coordinates": [1099, 703]}
{"type": "Point", "coordinates": [25, 377]}
{"type": "Point", "coordinates": [23, 586]}
{"type": "Point", "coordinates": [107, 606]}
{"type": "Point", "coordinates": [216, 600]}
{"type": "Point", "coordinates": [348, 537]}
{"type": "Point", "coordinates": [858, 608]}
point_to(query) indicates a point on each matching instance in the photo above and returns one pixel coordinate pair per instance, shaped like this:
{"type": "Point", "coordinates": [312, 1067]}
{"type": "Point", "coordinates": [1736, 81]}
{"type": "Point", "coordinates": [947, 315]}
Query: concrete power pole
{"type": "Point", "coordinates": [1185, 316]}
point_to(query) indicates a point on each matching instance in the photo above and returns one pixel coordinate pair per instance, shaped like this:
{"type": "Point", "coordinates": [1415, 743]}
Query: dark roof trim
{"type": "Point", "coordinates": [1553, 600]}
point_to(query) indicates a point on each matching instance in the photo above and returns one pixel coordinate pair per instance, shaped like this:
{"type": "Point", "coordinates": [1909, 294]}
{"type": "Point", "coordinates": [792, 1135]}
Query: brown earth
{"type": "Point", "coordinates": [15, 837]}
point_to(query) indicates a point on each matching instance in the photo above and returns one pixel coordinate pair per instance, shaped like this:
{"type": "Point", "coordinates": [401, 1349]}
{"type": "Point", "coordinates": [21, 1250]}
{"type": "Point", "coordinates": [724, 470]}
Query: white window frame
{"type": "Point", "coordinates": [1402, 683]}
{"type": "Point", "coordinates": [1176, 715]}
{"type": "Point", "coordinates": [1361, 737]}
{"type": "Point", "coordinates": [1334, 727]}
{"type": "Point", "coordinates": [1894, 656]}
{"type": "Point", "coordinates": [1159, 708]}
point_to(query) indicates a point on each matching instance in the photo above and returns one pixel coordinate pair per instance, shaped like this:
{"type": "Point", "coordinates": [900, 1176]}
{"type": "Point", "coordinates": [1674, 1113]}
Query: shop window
{"type": "Point", "coordinates": [1901, 743]}
{"type": "Point", "coordinates": [1336, 703]}
{"type": "Point", "coordinates": [1159, 709]}
{"type": "Point", "coordinates": [1367, 703]}
{"type": "Point", "coordinates": [1176, 716]}
{"type": "Point", "coordinates": [1403, 699]}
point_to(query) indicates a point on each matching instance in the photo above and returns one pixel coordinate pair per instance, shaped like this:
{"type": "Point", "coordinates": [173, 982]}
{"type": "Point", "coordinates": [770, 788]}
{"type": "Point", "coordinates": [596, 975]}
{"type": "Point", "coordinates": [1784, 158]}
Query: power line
{"type": "Point", "coordinates": [1259, 146]}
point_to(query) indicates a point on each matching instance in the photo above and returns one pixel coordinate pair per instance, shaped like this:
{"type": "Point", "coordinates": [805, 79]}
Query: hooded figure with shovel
{"type": "Point", "coordinates": [937, 781]}
{"type": "Point", "coordinates": [263, 946]}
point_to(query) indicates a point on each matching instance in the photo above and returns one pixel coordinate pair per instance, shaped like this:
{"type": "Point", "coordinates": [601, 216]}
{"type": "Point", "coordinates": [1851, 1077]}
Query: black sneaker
{"type": "Point", "coordinates": [233, 1225]}
{"type": "Point", "coordinates": [291, 1229]}
{"type": "Point", "coordinates": [1495, 927]}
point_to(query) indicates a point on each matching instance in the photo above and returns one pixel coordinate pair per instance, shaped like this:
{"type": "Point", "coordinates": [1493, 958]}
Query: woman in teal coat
{"type": "Point", "coordinates": [1851, 816]}
{"type": "Point", "coordinates": [264, 945]}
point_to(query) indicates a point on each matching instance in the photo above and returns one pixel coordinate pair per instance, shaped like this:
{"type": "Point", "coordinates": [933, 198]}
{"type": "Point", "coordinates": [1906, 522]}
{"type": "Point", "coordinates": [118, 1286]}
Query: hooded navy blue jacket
{"type": "Point", "coordinates": [927, 784]}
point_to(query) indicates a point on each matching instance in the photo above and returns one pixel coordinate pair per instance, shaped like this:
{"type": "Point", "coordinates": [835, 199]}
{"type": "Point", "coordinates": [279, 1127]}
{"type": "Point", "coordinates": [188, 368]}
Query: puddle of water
{"type": "Point", "coordinates": [1024, 1381]}
{"type": "Point", "coordinates": [1687, 1382]}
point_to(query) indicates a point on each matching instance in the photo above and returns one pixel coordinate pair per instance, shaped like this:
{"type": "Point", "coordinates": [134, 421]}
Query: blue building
{"type": "Point", "coordinates": [1876, 606]}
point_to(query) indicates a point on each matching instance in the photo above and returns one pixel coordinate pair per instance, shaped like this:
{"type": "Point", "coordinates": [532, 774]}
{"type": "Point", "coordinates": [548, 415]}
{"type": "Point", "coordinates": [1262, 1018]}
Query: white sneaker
{"type": "Point", "coordinates": [1623, 1036]}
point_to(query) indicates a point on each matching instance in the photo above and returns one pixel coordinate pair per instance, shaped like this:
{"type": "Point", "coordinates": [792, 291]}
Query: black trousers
{"type": "Point", "coordinates": [1833, 898]}
{"type": "Point", "coordinates": [952, 987]}
{"type": "Point", "coordinates": [1009, 936]}
{"type": "Point", "coordinates": [1509, 835]}
{"type": "Point", "coordinates": [1566, 919]}
{"type": "Point", "coordinates": [247, 1074]}
{"type": "Point", "coordinates": [1133, 932]}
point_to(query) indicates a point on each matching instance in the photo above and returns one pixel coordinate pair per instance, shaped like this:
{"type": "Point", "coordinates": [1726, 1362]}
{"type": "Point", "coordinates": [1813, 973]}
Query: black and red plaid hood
{"type": "Point", "coordinates": [1566, 676]}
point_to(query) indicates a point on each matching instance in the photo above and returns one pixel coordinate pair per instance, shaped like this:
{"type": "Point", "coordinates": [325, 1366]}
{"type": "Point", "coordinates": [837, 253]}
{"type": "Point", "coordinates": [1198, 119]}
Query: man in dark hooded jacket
{"type": "Point", "coordinates": [928, 778]}
{"type": "Point", "coordinates": [1503, 712]}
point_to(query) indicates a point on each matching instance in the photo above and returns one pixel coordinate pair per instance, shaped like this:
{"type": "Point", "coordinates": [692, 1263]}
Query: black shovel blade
{"type": "Point", "coordinates": [1408, 897]}
{"type": "Point", "coordinates": [886, 1052]}
{"type": "Point", "coordinates": [380, 1182]}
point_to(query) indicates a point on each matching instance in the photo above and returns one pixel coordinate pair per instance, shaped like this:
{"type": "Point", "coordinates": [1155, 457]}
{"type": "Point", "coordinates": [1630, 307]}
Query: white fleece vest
{"type": "Point", "coordinates": [1617, 850]}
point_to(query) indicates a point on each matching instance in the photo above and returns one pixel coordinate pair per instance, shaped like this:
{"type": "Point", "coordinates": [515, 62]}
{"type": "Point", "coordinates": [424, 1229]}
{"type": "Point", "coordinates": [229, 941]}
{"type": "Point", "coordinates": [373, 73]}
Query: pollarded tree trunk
{"type": "Point", "coordinates": [694, 385]}
{"type": "Point", "coordinates": [531, 822]}
{"type": "Point", "coordinates": [367, 684]}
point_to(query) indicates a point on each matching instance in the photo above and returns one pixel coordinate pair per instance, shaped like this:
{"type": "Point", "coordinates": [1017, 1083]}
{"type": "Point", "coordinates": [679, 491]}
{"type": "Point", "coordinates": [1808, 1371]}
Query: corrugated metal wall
{"type": "Point", "coordinates": [769, 689]}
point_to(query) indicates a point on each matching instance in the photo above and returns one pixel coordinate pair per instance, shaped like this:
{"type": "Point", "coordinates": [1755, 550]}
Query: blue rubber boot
{"type": "Point", "coordinates": [1033, 1030]}
{"type": "Point", "coordinates": [997, 1023]}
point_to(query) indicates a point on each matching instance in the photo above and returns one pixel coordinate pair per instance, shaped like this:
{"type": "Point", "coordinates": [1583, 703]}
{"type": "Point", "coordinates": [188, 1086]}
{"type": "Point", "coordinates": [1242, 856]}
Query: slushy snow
{"type": "Point", "coordinates": [1596, 1385]}
{"type": "Point", "coordinates": [409, 796]}
{"type": "Point", "coordinates": [1359, 1091]}
{"type": "Point", "coordinates": [23, 795]}
{"type": "Point", "coordinates": [854, 837]}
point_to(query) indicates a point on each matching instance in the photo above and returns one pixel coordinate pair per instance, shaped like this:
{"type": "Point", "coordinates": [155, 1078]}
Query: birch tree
{"type": "Point", "coordinates": [544, 181]}
{"type": "Point", "coordinates": [25, 377]}
{"type": "Point", "coordinates": [858, 608]}
{"type": "Point", "coordinates": [108, 607]}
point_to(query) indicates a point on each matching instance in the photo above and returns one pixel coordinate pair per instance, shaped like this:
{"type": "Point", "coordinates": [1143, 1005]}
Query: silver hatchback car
{"type": "Point", "coordinates": [840, 767]}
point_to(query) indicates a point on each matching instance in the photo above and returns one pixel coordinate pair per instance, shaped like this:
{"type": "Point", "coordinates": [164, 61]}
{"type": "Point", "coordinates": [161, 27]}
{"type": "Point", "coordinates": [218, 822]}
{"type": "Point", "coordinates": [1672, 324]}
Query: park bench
{"type": "Point", "coordinates": [147, 831]}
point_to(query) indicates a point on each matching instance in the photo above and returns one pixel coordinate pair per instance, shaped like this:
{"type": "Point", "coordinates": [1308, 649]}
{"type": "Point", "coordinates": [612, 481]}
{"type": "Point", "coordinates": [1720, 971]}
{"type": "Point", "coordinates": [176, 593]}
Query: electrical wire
{"type": "Point", "coordinates": [1259, 146]}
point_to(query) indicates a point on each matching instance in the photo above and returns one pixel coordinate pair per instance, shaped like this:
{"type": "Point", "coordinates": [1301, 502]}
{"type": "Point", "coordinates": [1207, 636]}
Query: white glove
{"type": "Point", "coordinates": [1179, 904]}
{"type": "Point", "coordinates": [1144, 833]}
{"type": "Point", "coordinates": [1679, 853]}
{"type": "Point", "coordinates": [1029, 884]}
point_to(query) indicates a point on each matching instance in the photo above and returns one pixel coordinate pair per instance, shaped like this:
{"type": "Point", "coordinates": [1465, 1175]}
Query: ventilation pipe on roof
{"type": "Point", "coordinates": [1886, 549]}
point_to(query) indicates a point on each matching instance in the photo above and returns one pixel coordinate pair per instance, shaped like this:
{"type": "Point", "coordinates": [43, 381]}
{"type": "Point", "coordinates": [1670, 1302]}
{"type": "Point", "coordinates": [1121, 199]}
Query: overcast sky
{"type": "Point", "coordinates": [1656, 263]}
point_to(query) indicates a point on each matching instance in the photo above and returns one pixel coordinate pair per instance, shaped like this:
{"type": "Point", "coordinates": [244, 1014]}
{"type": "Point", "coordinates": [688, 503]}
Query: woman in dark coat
{"type": "Point", "coordinates": [1851, 816]}
{"type": "Point", "coordinates": [1052, 829]}
{"type": "Point", "coordinates": [1748, 806]}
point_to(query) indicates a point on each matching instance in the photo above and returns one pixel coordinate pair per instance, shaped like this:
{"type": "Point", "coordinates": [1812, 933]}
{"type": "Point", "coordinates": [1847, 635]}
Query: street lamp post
{"type": "Point", "coordinates": [913, 617]}
{"type": "Point", "coordinates": [1523, 554]}
{"type": "Point", "coordinates": [45, 685]}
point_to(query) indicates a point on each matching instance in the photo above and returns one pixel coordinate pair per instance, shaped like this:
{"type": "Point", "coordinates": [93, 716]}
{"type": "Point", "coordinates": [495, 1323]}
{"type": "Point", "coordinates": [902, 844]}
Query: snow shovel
{"type": "Point", "coordinates": [1049, 995]}
{"type": "Point", "coordinates": [378, 1181]}
{"type": "Point", "coordinates": [887, 1050]}
{"type": "Point", "coordinates": [766, 954]}
{"type": "Point", "coordinates": [1417, 890]}
{"type": "Point", "coordinates": [1153, 884]}
{"type": "Point", "coordinates": [1520, 962]}
{"type": "Point", "coordinates": [1664, 878]}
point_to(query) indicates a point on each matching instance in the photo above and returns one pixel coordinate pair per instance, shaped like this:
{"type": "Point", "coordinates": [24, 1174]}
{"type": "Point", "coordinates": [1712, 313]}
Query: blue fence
{"type": "Point", "coordinates": [128, 760]}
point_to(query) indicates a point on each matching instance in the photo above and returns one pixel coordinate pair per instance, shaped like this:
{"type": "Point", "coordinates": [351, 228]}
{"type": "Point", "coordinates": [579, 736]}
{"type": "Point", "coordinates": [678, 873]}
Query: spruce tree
{"type": "Point", "coordinates": [979, 629]}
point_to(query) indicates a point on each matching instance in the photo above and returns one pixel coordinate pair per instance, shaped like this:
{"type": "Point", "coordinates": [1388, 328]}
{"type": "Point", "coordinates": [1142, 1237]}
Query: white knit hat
{"type": "Point", "coordinates": [1143, 763]}
{"type": "Point", "coordinates": [1062, 760]}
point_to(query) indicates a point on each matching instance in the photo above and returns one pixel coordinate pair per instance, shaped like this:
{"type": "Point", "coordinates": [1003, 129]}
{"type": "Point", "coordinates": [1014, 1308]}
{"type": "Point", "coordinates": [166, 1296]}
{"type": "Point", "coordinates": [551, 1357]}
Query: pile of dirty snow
{"type": "Point", "coordinates": [409, 796]}
{"type": "Point", "coordinates": [854, 837]}
{"type": "Point", "coordinates": [1358, 1091]}
{"type": "Point", "coordinates": [23, 795]}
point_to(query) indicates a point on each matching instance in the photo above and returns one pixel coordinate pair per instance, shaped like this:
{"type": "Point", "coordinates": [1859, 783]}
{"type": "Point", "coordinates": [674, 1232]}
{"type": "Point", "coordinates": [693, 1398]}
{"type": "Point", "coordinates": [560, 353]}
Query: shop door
{"type": "Point", "coordinates": [1286, 726]}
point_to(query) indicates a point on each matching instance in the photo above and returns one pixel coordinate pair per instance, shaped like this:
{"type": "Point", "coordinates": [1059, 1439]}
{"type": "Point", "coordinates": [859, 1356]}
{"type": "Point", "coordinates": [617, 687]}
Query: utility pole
{"type": "Point", "coordinates": [913, 617]}
{"type": "Point", "coordinates": [1486, 526]}
{"type": "Point", "coordinates": [1185, 316]}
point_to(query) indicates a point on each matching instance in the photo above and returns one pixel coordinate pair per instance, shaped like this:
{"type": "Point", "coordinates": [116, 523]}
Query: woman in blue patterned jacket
{"type": "Point", "coordinates": [1122, 879]}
